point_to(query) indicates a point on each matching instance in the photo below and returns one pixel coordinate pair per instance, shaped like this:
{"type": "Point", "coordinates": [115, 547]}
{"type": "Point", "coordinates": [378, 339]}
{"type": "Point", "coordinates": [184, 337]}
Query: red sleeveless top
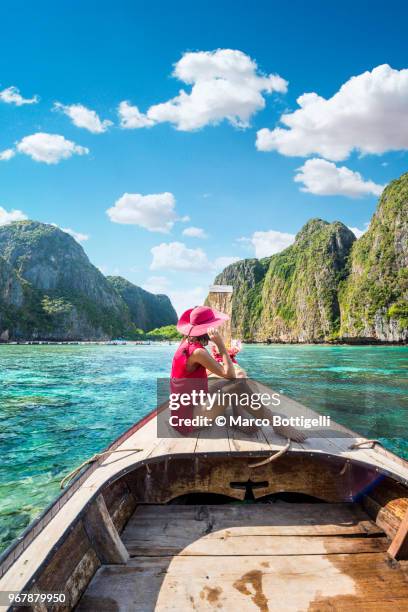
{"type": "Point", "coordinates": [197, 380]}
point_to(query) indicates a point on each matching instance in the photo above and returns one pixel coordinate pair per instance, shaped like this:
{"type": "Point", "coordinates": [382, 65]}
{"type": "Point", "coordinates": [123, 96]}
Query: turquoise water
{"type": "Point", "coordinates": [61, 404]}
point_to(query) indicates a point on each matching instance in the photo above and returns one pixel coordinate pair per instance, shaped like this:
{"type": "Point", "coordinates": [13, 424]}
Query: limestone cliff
{"type": "Point", "coordinates": [49, 290]}
{"type": "Point", "coordinates": [292, 296]}
{"type": "Point", "coordinates": [329, 286]}
{"type": "Point", "coordinates": [147, 310]}
{"type": "Point", "coordinates": [374, 298]}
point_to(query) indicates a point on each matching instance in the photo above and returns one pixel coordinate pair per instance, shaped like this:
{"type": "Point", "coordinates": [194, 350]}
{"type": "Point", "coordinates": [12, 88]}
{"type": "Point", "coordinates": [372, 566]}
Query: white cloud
{"type": "Point", "coordinates": [194, 232]}
{"type": "Point", "coordinates": [7, 217]}
{"type": "Point", "coordinates": [156, 284]}
{"type": "Point", "coordinates": [131, 118]}
{"type": "Point", "coordinates": [12, 95]}
{"type": "Point", "coordinates": [7, 154]}
{"type": "Point", "coordinates": [322, 177]}
{"type": "Point", "coordinates": [359, 232]}
{"type": "Point", "coordinates": [182, 299]}
{"type": "Point", "coordinates": [155, 212]}
{"type": "Point", "coordinates": [176, 256]}
{"type": "Point", "coordinates": [84, 117]}
{"type": "Point", "coordinates": [268, 243]}
{"type": "Point", "coordinates": [367, 114]}
{"type": "Point", "coordinates": [76, 235]}
{"type": "Point", "coordinates": [108, 270]}
{"type": "Point", "coordinates": [222, 262]}
{"type": "Point", "coordinates": [49, 148]}
{"type": "Point", "coordinates": [225, 85]}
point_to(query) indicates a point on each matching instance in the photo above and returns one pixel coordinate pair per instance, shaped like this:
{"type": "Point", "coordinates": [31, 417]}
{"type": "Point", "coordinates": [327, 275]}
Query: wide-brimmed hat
{"type": "Point", "coordinates": [196, 321]}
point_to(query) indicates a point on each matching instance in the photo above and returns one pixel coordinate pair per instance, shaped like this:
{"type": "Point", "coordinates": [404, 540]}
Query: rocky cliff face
{"type": "Point", "coordinates": [292, 296]}
{"type": "Point", "coordinates": [147, 310]}
{"type": "Point", "coordinates": [68, 297]}
{"type": "Point", "coordinates": [11, 287]}
{"type": "Point", "coordinates": [300, 291]}
{"type": "Point", "coordinates": [11, 297]}
{"type": "Point", "coordinates": [328, 285]}
{"type": "Point", "coordinates": [247, 278]}
{"type": "Point", "coordinates": [374, 298]}
{"type": "Point", "coordinates": [50, 290]}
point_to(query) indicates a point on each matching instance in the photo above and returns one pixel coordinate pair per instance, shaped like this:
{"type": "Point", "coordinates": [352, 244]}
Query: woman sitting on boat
{"type": "Point", "coordinates": [192, 364]}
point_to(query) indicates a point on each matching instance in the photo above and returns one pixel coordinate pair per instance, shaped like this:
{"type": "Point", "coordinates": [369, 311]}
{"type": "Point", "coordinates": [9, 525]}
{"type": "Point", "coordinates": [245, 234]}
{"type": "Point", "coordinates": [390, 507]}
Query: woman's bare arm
{"type": "Point", "coordinates": [228, 366]}
{"type": "Point", "coordinates": [201, 356]}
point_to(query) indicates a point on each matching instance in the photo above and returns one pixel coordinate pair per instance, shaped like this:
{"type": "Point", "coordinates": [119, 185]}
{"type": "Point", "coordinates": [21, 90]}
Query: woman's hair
{"type": "Point", "coordinates": [203, 339]}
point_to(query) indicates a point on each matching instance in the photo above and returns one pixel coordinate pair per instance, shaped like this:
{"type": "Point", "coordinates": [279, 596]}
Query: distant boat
{"type": "Point", "coordinates": [188, 523]}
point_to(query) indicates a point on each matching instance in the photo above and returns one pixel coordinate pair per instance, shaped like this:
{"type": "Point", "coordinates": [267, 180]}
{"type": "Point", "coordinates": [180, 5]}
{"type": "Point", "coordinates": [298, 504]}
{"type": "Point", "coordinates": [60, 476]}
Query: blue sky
{"type": "Point", "coordinates": [202, 156]}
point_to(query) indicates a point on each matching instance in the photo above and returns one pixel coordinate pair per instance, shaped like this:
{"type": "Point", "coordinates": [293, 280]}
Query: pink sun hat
{"type": "Point", "coordinates": [196, 321]}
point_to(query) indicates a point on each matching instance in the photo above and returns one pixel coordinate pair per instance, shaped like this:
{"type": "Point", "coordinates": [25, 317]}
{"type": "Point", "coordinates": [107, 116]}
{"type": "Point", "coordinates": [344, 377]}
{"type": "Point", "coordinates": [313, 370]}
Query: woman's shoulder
{"type": "Point", "coordinates": [198, 353]}
{"type": "Point", "coordinates": [198, 349]}
{"type": "Point", "coordinates": [187, 348]}
{"type": "Point", "coordinates": [195, 347]}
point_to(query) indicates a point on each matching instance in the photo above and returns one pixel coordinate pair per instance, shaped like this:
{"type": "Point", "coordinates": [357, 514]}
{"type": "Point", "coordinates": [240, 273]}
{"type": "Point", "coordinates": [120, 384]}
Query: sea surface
{"type": "Point", "coordinates": [61, 404]}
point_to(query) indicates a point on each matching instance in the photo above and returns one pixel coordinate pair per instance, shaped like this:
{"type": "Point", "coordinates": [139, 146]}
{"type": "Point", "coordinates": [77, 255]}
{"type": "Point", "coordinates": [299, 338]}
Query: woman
{"type": "Point", "coordinates": [192, 363]}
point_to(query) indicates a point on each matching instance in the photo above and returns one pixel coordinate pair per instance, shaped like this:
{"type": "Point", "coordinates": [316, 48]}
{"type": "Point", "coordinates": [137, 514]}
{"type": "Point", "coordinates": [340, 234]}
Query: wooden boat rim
{"type": "Point", "coordinates": [65, 495]}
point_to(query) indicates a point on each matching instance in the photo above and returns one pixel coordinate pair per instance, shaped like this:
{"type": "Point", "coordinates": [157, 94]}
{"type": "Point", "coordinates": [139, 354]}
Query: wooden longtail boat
{"type": "Point", "coordinates": [209, 522]}
{"type": "Point", "coordinates": [187, 523]}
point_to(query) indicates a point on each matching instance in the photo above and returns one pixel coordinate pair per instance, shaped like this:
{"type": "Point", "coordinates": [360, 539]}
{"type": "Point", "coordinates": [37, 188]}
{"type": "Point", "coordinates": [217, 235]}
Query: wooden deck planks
{"type": "Point", "coordinates": [231, 542]}
{"type": "Point", "coordinates": [279, 518]}
{"type": "Point", "coordinates": [362, 581]}
{"type": "Point", "coordinates": [264, 529]}
{"type": "Point", "coordinates": [238, 555]}
{"type": "Point", "coordinates": [214, 440]}
{"type": "Point", "coordinates": [245, 443]}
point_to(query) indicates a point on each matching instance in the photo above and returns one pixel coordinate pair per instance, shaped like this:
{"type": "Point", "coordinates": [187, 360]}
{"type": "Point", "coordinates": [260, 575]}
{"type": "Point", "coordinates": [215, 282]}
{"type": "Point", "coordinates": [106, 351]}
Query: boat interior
{"type": "Point", "coordinates": [224, 519]}
{"type": "Point", "coordinates": [207, 532]}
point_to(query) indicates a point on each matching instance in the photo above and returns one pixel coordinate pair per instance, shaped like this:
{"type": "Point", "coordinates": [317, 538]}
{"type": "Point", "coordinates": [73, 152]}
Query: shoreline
{"type": "Point", "coordinates": [86, 342]}
{"type": "Point", "coordinates": [368, 342]}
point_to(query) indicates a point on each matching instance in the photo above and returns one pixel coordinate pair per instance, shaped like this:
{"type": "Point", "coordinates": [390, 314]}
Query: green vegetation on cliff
{"type": "Point", "coordinates": [328, 285]}
{"type": "Point", "coordinates": [247, 277]}
{"type": "Point", "coordinates": [147, 310]}
{"type": "Point", "coordinates": [167, 332]}
{"type": "Point", "coordinates": [301, 284]}
{"type": "Point", "coordinates": [50, 290]}
{"type": "Point", "coordinates": [374, 297]}
{"type": "Point", "coordinates": [292, 296]}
